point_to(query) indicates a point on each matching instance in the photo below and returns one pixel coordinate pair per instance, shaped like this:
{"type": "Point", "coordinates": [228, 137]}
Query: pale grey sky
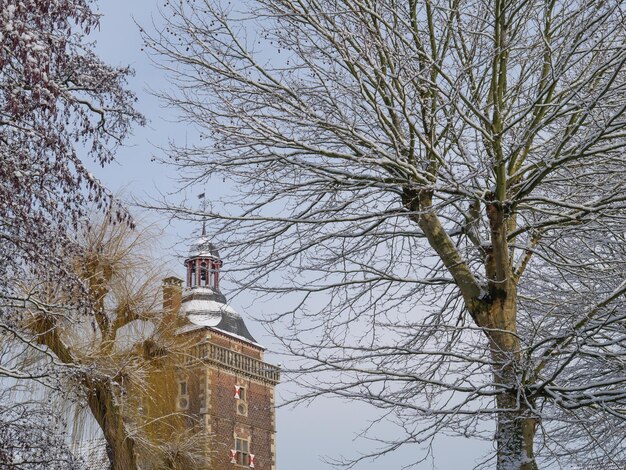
{"type": "Point", "coordinates": [305, 434]}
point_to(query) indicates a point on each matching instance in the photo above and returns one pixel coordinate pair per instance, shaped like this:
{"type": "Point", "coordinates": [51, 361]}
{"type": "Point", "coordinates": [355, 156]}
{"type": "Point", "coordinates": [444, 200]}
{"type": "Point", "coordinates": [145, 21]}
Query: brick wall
{"type": "Point", "coordinates": [258, 425]}
{"type": "Point", "coordinates": [212, 403]}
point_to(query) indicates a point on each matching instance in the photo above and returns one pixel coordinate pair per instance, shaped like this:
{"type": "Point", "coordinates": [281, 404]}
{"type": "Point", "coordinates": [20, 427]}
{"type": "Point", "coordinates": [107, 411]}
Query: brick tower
{"type": "Point", "coordinates": [228, 388]}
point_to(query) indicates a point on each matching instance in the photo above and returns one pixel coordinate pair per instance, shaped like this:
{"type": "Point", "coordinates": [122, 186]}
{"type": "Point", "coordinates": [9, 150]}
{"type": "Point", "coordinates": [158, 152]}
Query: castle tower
{"type": "Point", "coordinates": [228, 388]}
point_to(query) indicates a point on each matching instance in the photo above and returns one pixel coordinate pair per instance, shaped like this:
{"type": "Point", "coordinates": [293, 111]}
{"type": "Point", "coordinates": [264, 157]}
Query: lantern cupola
{"type": "Point", "coordinates": [203, 265]}
{"type": "Point", "coordinates": [217, 382]}
{"type": "Point", "coordinates": [203, 305]}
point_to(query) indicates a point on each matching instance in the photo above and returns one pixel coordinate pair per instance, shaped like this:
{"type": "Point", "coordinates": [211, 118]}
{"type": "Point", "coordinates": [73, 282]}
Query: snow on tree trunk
{"type": "Point", "coordinates": [515, 429]}
{"type": "Point", "coordinates": [514, 436]}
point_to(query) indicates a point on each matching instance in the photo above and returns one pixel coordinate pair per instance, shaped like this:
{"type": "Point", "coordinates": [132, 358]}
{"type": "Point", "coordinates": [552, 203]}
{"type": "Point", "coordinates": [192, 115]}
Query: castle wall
{"type": "Point", "coordinates": [252, 418]}
{"type": "Point", "coordinates": [211, 403]}
{"type": "Point", "coordinates": [222, 392]}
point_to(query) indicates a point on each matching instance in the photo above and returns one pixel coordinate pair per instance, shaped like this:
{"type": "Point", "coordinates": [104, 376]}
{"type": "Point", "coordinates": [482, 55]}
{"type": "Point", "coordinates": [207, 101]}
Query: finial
{"type": "Point", "coordinates": [201, 196]}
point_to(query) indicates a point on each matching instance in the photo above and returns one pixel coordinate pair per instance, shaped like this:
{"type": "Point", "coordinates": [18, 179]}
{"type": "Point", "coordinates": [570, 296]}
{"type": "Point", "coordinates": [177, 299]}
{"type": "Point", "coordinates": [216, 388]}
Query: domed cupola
{"type": "Point", "coordinates": [202, 303]}
{"type": "Point", "coordinates": [203, 264]}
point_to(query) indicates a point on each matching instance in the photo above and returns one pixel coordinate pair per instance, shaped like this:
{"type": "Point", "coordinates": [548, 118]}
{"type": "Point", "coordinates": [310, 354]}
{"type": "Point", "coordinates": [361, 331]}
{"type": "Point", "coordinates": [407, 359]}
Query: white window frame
{"type": "Point", "coordinates": [242, 458]}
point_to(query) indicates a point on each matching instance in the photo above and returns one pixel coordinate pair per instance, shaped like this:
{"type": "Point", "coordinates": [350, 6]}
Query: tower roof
{"type": "Point", "coordinates": [203, 248]}
{"type": "Point", "coordinates": [205, 307]}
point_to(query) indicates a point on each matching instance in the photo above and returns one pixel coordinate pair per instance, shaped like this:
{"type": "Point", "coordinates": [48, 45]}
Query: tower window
{"type": "Point", "coordinates": [203, 274]}
{"type": "Point", "coordinates": [191, 281]}
{"type": "Point", "coordinates": [241, 396]}
{"type": "Point", "coordinates": [213, 276]}
{"type": "Point", "coordinates": [242, 446]}
{"type": "Point", "coordinates": [183, 395]}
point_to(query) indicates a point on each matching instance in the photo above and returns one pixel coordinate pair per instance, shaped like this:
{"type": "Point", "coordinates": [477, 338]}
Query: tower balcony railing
{"type": "Point", "coordinates": [238, 362]}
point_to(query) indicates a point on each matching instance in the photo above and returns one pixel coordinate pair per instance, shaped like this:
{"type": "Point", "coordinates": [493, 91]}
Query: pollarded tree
{"type": "Point", "coordinates": [122, 350]}
{"type": "Point", "coordinates": [449, 177]}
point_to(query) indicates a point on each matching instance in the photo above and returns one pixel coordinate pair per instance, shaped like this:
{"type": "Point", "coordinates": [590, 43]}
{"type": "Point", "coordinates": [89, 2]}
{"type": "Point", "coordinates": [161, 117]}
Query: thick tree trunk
{"type": "Point", "coordinates": [120, 447]}
{"type": "Point", "coordinates": [515, 434]}
{"type": "Point", "coordinates": [515, 424]}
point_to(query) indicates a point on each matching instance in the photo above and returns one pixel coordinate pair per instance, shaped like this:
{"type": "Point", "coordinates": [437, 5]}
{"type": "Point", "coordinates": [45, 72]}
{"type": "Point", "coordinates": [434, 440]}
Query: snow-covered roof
{"type": "Point", "coordinates": [187, 328]}
{"type": "Point", "coordinates": [194, 307]}
{"type": "Point", "coordinates": [203, 248]}
{"type": "Point", "coordinates": [208, 319]}
{"type": "Point", "coordinates": [206, 307]}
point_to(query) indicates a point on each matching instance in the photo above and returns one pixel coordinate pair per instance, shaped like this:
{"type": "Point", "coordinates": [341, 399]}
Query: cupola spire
{"type": "Point", "coordinates": [203, 197]}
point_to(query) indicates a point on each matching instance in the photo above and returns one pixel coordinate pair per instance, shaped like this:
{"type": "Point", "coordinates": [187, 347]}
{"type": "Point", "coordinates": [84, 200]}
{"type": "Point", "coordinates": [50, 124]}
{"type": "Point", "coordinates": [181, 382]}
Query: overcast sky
{"type": "Point", "coordinates": [306, 434]}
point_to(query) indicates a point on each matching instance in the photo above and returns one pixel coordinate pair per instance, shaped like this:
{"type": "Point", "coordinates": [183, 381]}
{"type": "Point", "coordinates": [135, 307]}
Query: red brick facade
{"type": "Point", "coordinates": [212, 402]}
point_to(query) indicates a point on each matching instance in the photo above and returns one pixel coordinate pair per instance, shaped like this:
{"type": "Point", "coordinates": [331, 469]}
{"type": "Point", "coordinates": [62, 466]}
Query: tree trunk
{"type": "Point", "coordinates": [515, 434]}
{"type": "Point", "coordinates": [515, 423]}
{"type": "Point", "coordinates": [498, 318]}
{"type": "Point", "coordinates": [120, 447]}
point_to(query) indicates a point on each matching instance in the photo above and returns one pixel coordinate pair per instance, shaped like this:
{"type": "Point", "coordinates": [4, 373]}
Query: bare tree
{"type": "Point", "coordinates": [59, 105]}
{"type": "Point", "coordinates": [448, 178]}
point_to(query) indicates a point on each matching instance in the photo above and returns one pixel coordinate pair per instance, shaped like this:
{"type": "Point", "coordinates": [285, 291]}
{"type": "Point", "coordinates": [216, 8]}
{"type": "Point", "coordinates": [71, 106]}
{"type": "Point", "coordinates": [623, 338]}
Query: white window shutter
{"type": "Point", "coordinates": [252, 460]}
{"type": "Point", "coordinates": [233, 456]}
{"type": "Point", "coordinates": [237, 392]}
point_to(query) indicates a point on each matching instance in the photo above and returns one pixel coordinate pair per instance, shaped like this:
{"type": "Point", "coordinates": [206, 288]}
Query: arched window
{"type": "Point", "coordinates": [213, 275]}
{"type": "Point", "coordinates": [204, 281]}
{"type": "Point", "coordinates": [192, 273]}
